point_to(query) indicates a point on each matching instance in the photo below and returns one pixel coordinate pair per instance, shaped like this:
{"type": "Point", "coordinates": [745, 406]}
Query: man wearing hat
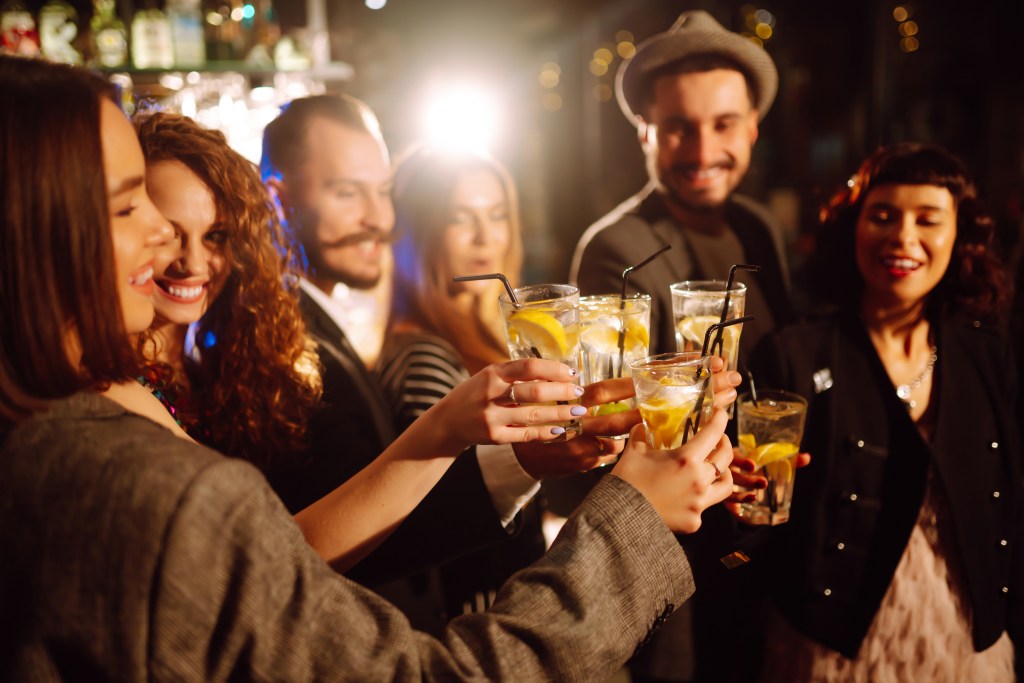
{"type": "Point", "coordinates": [695, 94]}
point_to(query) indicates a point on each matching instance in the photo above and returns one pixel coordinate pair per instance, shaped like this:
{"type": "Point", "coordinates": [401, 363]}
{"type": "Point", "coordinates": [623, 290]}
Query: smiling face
{"type": "Point", "coordinates": [704, 129]}
{"type": "Point", "coordinates": [340, 196]}
{"type": "Point", "coordinates": [904, 242]}
{"type": "Point", "coordinates": [191, 271]}
{"type": "Point", "coordinates": [476, 239]}
{"type": "Point", "coordinates": [136, 226]}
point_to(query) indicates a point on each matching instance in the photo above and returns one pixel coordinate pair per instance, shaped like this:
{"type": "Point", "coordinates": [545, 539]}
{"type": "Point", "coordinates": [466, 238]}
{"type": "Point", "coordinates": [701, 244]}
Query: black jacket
{"type": "Point", "coordinates": [353, 426]}
{"type": "Point", "coordinates": [855, 505]}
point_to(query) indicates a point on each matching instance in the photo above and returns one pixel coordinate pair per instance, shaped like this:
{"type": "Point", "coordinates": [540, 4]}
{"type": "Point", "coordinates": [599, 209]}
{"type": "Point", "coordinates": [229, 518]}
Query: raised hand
{"type": "Point", "coordinates": [486, 408]}
{"type": "Point", "coordinates": [683, 482]}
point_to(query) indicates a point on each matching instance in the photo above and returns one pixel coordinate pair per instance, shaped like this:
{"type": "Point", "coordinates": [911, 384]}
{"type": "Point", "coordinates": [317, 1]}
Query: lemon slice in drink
{"type": "Point", "coordinates": [605, 339]}
{"type": "Point", "coordinates": [775, 458]}
{"type": "Point", "coordinates": [693, 329]}
{"type": "Point", "coordinates": [541, 331]}
{"type": "Point", "coordinates": [665, 421]}
{"type": "Point", "coordinates": [637, 334]}
{"type": "Point", "coordinates": [772, 451]}
{"type": "Point", "coordinates": [748, 443]}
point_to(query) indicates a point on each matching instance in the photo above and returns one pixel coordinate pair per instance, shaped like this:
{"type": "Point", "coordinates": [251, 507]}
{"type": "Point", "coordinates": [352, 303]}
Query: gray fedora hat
{"type": "Point", "coordinates": [694, 33]}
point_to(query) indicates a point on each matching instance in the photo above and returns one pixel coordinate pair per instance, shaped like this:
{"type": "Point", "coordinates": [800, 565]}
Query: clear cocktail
{"type": "Point", "coordinates": [545, 323]}
{"type": "Point", "coordinates": [769, 433]}
{"type": "Point", "coordinates": [675, 395]}
{"type": "Point", "coordinates": [614, 332]}
{"type": "Point", "coordinates": [697, 305]}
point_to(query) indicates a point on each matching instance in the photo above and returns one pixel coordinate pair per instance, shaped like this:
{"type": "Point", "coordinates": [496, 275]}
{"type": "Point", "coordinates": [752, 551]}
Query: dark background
{"type": "Point", "coordinates": [845, 88]}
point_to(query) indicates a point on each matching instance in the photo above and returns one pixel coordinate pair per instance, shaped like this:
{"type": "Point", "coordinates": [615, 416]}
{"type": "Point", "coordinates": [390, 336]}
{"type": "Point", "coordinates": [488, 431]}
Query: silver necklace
{"type": "Point", "coordinates": [904, 390]}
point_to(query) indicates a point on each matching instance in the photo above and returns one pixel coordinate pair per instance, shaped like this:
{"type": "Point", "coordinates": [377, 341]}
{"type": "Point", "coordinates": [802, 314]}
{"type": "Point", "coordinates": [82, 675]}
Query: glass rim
{"type": "Point", "coordinates": [670, 359]}
{"type": "Point", "coordinates": [639, 296]}
{"type": "Point", "coordinates": [772, 394]}
{"type": "Point", "coordinates": [573, 290]}
{"type": "Point", "coordinates": [707, 287]}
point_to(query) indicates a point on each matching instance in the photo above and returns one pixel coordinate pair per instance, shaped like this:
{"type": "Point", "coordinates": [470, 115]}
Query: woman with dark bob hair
{"type": "Point", "coordinates": [902, 556]}
{"type": "Point", "coordinates": [132, 553]}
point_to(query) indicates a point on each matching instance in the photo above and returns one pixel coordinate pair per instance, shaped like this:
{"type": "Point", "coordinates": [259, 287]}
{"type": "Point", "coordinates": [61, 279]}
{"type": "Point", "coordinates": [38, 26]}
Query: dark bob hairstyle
{"type": "Point", "coordinates": [975, 285]}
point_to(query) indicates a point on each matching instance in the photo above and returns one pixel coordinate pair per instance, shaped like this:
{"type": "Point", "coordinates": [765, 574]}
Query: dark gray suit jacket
{"type": "Point", "coordinates": [130, 554]}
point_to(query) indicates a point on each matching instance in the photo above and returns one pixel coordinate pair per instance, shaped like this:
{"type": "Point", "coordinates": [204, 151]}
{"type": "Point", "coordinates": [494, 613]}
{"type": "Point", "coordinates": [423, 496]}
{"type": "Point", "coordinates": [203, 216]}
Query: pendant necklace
{"type": "Point", "coordinates": [904, 390]}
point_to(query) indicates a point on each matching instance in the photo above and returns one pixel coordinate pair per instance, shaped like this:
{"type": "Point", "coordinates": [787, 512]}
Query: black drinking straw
{"type": "Point", "coordinates": [753, 389]}
{"type": "Point", "coordinates": [491, 276]}
{"type": "Point", "coordinates": [693, 421]}
{"type": "Point", "coordinates": [728, 293]}
{"type": "Point", "coordinates": [508, 288]}
{"type": "Point", "coordinates": [716, 329]}
{"type": "Point", "coordinates": [622, 299]}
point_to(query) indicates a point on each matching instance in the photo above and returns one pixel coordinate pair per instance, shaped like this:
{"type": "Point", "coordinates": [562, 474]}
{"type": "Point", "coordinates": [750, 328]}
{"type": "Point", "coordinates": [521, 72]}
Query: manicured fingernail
{"type": "Point", "coordinates": [557, 430]}
{"type": "Point", "coordinates": [579, 391]}
{"type": "Point", "coordinates": [573, 373]}
{"type": "Point", "coordinates": [762, 484]}
{"type": "Point", "coordinates": [578, 410]}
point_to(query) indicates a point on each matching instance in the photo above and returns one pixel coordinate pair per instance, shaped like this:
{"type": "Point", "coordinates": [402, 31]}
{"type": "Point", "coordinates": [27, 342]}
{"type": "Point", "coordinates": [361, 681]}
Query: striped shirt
{"type": "Point", "coordinates": [416, 370]}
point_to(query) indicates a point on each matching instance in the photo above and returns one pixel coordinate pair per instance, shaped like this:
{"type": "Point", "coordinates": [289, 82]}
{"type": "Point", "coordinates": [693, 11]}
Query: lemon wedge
{"type": "Point", "coordinates": [747, 443]}
{"type": "Point", "coordinates": [692, 330]}
{"type": "Point", "coordinates": [768, 453]}
{"type": "Point", "coordinates": [664, 422]}
{"type": "Point", "coordinates": [605, 339]}
{"type": "Point", "coordinates": [541, 331]}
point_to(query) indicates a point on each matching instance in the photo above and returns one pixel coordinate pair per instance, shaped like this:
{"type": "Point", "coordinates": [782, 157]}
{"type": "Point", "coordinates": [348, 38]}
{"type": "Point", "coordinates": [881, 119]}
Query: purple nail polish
{"type": "Point", "coordinates": [557, 430]}
{"type": "Point", "coordinates": [579, 391]}
{"type": "Point", "coordinates": [578, 411]}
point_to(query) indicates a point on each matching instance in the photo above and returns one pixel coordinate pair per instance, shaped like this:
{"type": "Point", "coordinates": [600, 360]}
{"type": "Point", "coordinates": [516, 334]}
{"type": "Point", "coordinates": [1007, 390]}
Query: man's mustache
{"type": "Point", "coordinates": [359, 237]}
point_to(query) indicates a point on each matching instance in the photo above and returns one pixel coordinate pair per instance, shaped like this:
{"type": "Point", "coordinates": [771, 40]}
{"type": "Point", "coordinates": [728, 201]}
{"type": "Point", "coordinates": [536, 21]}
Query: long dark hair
{"type": "Point", "coordinates": [58, 293]}
{"type": "Point", "coordinates": [975, 286]}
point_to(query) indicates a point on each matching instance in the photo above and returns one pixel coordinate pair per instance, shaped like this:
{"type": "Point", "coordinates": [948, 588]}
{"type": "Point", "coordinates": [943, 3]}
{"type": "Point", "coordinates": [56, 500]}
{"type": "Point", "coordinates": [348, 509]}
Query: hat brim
{"type": "Point", "coordinates": [632, 82]}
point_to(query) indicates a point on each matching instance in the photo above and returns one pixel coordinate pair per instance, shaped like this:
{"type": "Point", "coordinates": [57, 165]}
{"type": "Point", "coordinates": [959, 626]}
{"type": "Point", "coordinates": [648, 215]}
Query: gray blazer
{"type": "Point", "coordinates": [130, 554]}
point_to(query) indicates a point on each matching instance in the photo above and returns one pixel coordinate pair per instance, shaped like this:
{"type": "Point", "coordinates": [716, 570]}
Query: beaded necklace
{"type": "Point", "coordinates": [151, 380]}
{"type": "Point", "coordinates": [904, 390]}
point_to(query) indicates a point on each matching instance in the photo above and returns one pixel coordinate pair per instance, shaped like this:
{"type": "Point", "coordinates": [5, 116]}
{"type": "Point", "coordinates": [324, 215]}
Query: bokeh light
{"type": "Point", "coordinates": [598, 67]}
{"type": "Point", "coordinates": [909, 44]}
{"type": "Point", "coordinates": [376, 4]}
{"type": "Point", "coordinates": [551, 101]}
{"type": "Point", "coordinates": [623, 36]}
{"type": "Point", "coordinates": [603, 54]}
{"type": "Point", "coordinates": [900, 13]}
{"type": "Point", "coordinates": [602, 92]}
{"type": "Point", "coordinates": [763, 31]}
{"type": "Point", "coordinates": [908, 28]}
{"type": "Point", "coordinates": [626, 49]}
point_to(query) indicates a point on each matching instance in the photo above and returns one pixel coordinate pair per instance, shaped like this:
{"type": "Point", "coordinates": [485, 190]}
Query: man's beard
{"type": "Point", "coordinates": [304, 228]}
{"type": "Point", "coordinates": [676, 197]}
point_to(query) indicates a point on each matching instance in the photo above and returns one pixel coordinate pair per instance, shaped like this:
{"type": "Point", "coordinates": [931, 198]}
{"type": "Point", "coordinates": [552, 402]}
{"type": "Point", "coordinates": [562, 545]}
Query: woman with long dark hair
{"type": "Point", "coordinates": [133, 553]}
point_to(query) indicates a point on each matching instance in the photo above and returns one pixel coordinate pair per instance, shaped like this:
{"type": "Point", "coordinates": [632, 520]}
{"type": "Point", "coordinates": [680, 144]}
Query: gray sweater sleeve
{"type": "Point", "coordinates": [238, 594]}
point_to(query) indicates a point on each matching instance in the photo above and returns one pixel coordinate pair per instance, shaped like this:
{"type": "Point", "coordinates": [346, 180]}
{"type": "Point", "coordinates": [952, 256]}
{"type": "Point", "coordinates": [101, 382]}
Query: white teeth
{"type": "Point", "coordinates": [185, 292]}
{"type": "Point", "coordinates": [901, 263]}
{"type": "Point", "coordinates": [141, 278]}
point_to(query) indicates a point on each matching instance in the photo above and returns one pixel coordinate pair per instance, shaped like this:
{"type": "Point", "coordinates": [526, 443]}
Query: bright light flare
{"type": "Point", "coordinates": [461, 117]}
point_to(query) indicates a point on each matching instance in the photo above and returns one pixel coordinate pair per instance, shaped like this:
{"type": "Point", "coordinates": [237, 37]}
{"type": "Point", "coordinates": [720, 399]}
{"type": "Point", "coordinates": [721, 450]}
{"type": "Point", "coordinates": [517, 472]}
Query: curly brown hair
{"type": "Point", "coordinates": [257, 381]}
{"type": "Point", "coordinates": [975, 286]}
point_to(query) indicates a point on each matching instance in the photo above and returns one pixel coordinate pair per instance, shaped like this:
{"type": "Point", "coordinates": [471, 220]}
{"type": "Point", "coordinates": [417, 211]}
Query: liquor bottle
{"type": "Point", "coordinates": [18, 35]}
{"type": "Point", "coordinates": [109, 37]}
{"type": "Point", "coordinates": [152, 46]}
{"type": "Point", "coordinates": [186, 19]}
{"type": "Point", "coordinates": [265, 34]}
{"type": "Point", "coordinates": [57, 28]}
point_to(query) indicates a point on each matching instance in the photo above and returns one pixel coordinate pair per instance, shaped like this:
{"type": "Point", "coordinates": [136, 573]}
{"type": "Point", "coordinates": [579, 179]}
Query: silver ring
{"type": "Point", "coordinates": [718, 472]}
{"type": "Point", "coordinates": [512, 394]}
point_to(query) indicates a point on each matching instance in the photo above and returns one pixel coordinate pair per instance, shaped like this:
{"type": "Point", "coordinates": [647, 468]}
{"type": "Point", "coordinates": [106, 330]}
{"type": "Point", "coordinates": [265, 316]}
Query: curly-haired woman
{"type": "Point", "coordinates": [250, 383]}
{"type": "Point", "coordinates": [902, 557]}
